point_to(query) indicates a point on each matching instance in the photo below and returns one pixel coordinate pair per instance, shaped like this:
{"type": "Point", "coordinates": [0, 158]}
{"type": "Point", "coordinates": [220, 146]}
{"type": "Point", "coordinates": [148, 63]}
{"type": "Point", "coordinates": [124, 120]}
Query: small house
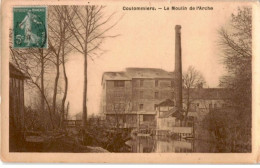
{"type": "Point", "coordinates": [169, 120]}
{"type": "Point", "coordinates": [167, 115]}
{"type": "Point", "coordinates": [16, 107]}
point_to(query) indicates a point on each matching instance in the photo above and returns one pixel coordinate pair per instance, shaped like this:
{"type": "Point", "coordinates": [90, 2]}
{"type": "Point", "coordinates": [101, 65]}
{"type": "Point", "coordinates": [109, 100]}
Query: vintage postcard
{"type": "Point", "coordinates": [130, 81]}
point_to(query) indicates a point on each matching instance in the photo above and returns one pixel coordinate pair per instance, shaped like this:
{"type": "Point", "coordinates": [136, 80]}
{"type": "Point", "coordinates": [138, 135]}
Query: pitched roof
{"type": "Point", "coordinates": [148, 73]}
{"type": "Point", "coordinates": [166, 114]}
{"type": "Point", "coordinates": [171, 113]}
{"type": "Point", "coordinates": [14, 72]}
{"type": "Point", "coordinates": [166, 102]}
{"type": "Point", "coordinates": [207, 93]}
{"type": "Point", "coordinates": [131, 73]}
{"type": "Point", "coordinates": [116, 76]}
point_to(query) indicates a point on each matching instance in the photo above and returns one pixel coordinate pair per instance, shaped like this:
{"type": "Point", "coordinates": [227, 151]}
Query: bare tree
{"type": "Point", "coordinates": [89, 27]}
{"type": "Point", "coordinates": [67, 111]}
{"type": "Point", "coordinates": [191, 79]}
{"type": "Point", "coordinates": [55, 32]}
{"type": "Point", "coordinates": [119, 103]}
{"type": "Point", "coordinates": [34, 63]}
{"type": "Point", "coordinates": [59, 36]}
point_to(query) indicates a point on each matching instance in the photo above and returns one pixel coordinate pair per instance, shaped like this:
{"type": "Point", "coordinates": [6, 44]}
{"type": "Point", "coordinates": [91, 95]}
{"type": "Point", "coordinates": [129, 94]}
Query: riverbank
{"type": "Point", "coordinates": [74, 140]}
{"type": "Point", "coordinates": [61, 143]}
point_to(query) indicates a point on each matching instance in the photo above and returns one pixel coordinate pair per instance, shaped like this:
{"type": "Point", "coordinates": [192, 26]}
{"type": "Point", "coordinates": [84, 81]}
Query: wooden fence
{"type": "Point", "coordinates": [73, 123]}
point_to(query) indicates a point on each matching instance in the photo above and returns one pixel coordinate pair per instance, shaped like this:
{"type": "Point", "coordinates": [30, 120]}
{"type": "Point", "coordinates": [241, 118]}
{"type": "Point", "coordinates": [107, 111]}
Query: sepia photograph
{"type": "Point", "coordinates": [129, 78]}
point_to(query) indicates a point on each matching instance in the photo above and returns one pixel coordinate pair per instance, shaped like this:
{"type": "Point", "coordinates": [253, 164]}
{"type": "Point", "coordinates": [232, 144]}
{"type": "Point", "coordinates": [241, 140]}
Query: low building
{"type": "Point", "coordinates": [16, 108]}
{"type": "Point", "coordinates": [202, 100]}
{"type": "Point", "coordinates": [170, 121]}
{"type": "Point", "coordinates": [167, 116]}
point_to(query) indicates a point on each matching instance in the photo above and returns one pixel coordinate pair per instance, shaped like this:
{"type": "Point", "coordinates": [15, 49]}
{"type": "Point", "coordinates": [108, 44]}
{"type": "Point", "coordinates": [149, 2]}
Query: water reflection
{"type": "Point", "coordinates": [159, 144]}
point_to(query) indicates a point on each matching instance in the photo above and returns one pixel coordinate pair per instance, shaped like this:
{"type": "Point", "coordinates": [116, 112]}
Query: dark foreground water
{"type": "Point", "coordinates": [159, 144]}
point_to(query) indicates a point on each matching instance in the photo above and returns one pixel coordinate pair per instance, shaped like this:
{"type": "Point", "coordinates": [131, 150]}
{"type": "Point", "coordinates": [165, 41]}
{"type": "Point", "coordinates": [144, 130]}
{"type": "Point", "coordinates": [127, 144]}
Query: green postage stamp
{"type": "Point", "coordinates": [29, 27]}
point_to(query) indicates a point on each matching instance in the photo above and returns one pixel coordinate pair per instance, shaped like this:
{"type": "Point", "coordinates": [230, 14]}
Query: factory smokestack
{"type": "Point", "coordinates": [178, 68]}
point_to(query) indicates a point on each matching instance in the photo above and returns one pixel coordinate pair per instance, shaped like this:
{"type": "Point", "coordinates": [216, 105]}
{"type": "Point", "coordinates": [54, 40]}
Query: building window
{"type": "Point", "coordinates": [215, 105]}
{"type": "Point", "coordinates": [172, 95]}
{"type": "Point", "coordinates": [119, 83]}
{"type": "Point", "coordinates": [148, 117]}
{"type": "Point", "coordinates": [210, 106]}
{"type": "Point", "coordinates": [141, 94]}
{"type": "Point", "coordinates": [172, 83]}
{"type": "Point", "coordinates": [141, 106]}
{"type": "Point", "coordinates": [198, 104]}
{"type": "Point", "coordinates": [17, 83]}
{"type": "Point", "coordinates": [115, 106]}
{"type": "Point", "coordinates": [141, 83]}
{"type": "Point", "coordinates": [122, 106]}
{"type": "Point", "coordinates": [155, 106]}
{"type": "Point", "coordinates": [156, 83]}
{"type": "Point", "coordinates": [156, 95]}
{"type": "Point", "coordinates": [117, 94]}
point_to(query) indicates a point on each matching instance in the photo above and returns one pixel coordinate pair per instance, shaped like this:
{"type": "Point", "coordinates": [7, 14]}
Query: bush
{"type": "Point", "coordinates": [230, 130]}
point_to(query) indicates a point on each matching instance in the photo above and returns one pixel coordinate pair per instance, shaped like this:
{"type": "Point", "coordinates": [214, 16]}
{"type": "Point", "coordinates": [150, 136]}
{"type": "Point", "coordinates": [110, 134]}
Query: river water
{"type": "Point", "coordinates": [163, 144]}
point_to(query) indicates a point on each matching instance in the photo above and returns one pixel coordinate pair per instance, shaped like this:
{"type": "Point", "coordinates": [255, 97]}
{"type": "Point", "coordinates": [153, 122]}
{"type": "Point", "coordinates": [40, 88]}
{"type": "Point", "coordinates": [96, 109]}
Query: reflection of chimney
{"type": "Point", "coordinates": [178, 68]}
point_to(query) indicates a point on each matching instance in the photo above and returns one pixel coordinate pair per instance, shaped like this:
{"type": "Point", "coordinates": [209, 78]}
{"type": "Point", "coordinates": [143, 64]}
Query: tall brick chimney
{"type": "Point", "coordinates": [178, 68]}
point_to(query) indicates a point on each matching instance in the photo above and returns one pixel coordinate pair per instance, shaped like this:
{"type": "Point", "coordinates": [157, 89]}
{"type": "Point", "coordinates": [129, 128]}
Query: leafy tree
{"type": "Point", "coordinates": [236, 44]}
{"type": "Point", "coordinates": [231, 126]}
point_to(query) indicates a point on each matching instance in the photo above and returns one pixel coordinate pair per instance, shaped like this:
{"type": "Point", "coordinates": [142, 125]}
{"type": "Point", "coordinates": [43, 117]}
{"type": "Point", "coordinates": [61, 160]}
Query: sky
{"type": "Point", "coordinates": [147, 39]}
